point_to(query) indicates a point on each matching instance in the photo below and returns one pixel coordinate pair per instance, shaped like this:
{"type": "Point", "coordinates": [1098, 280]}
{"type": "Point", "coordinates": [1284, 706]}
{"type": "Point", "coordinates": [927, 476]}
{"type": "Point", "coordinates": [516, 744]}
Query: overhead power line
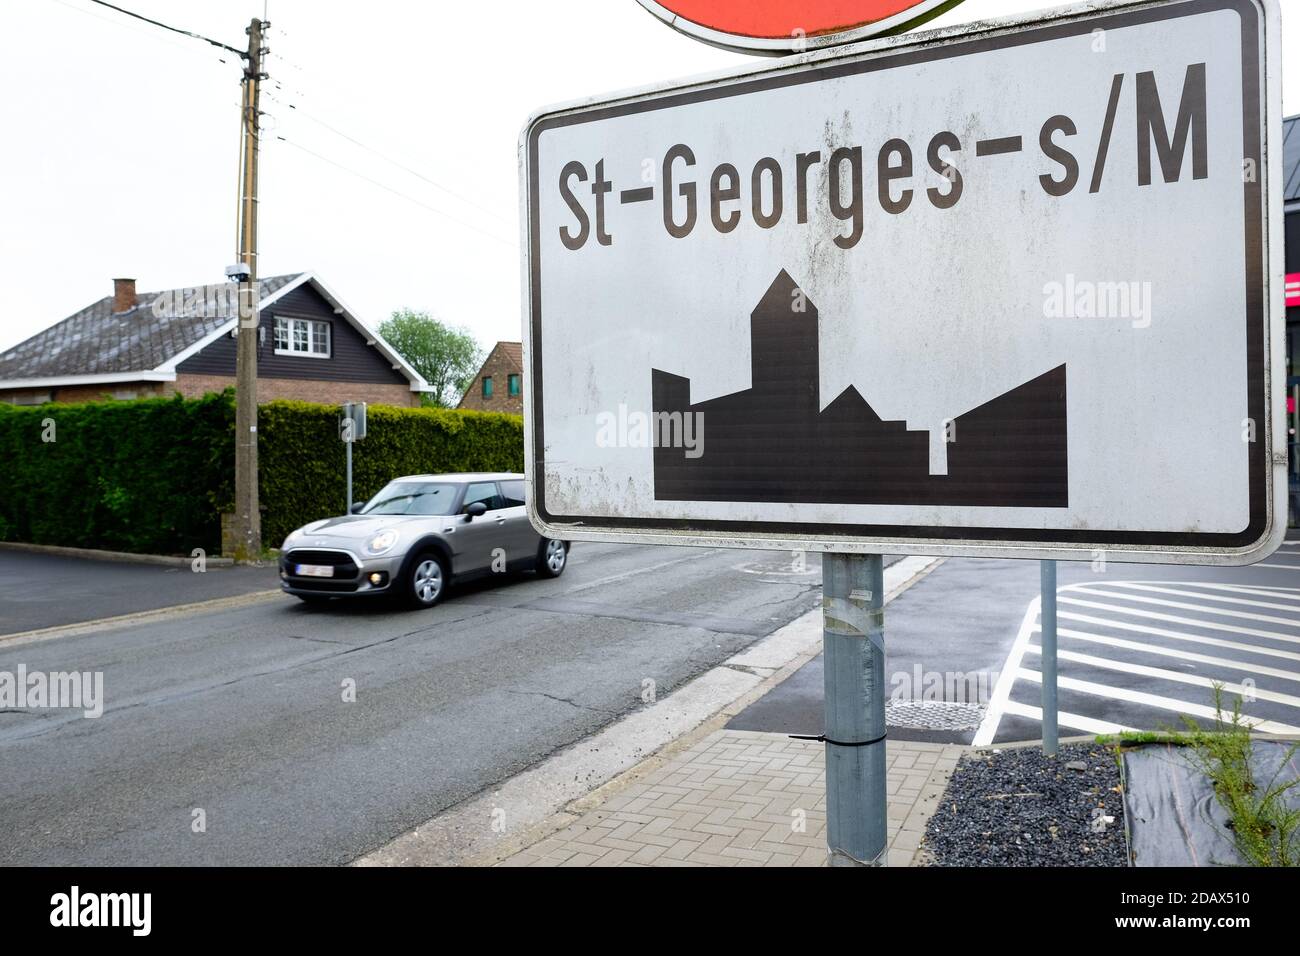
{"type": "Point", "coordinates": [385, 157]}
{"type": "Point", "coordinates": [159, 23]}
{"type": "Point", "coordinates": [125, 23]}
{"type": "Point", "coordinates": [397, 192]}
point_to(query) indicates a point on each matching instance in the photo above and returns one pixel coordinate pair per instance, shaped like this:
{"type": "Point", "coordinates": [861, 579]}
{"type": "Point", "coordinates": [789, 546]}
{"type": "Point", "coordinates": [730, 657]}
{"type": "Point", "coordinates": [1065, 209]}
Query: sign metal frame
{"type": "Point", "coordinates": [1265, 314]}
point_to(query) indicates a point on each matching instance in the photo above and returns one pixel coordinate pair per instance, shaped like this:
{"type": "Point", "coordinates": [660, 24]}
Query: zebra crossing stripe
{"type": "Point", "coordinates": [1188, 606]}
{"type": "Point", "coordinates": [1121, 600]}
{"type": "Point", "coordinates": [1177, 676]}
{"type": "Point", "coordinates": [1258, 590]}
{"type": "Point", "coordinates": [1178, 619]}
{"type": "Point", "coordinates": [1153, 700]}
{"type": "Point", "coordinates": [1000, 701]}
{"type": "Point", "coordinates": [1089, 725]}
{"type": "Point", "coordinates": [1179, 635]}
{"type": "Point", "coordinates": [1222, 599]}
{"type": "Point", "coordinates": [1250, 667]}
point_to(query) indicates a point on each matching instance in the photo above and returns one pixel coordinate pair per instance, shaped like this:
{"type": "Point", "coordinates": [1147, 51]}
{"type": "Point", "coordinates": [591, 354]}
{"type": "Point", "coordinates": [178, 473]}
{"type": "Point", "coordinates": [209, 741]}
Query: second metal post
{"type": "Point", "coordinates": [1047, 612]}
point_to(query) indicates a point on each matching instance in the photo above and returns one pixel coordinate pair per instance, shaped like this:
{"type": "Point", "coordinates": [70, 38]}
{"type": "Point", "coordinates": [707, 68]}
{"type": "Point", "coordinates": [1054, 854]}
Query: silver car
{"type": "Point", "coordinates": [417, 536]}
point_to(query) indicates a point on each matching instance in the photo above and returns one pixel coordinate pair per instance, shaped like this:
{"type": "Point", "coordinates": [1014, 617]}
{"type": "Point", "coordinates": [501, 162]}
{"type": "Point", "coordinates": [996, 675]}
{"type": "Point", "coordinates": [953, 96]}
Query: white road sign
{"type": "Point", "coordinates": [1010, 289]}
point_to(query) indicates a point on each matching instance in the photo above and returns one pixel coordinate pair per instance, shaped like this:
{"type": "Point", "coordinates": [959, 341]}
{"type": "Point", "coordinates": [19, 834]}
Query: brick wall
{"type": "Point", "coordinates": [500, 365]}
{"type": "Point", "coordinates": [83, 393]}
{"type": "Point", "coordinates": [304, 390]}
{"type": "Point", "coordinates": [195, 386]}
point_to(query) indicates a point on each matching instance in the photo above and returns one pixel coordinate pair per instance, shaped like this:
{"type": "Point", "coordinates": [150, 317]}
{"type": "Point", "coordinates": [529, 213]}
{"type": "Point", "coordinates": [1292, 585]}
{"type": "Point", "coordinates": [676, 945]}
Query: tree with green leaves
{"type": "Point", "coordinates": [447, 357]}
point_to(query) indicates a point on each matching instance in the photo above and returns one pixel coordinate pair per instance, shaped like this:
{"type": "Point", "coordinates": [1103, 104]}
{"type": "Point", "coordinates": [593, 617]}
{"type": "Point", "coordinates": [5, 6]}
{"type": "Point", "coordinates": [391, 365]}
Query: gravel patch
{"type": "Point", "coordinates": [1017, 807]}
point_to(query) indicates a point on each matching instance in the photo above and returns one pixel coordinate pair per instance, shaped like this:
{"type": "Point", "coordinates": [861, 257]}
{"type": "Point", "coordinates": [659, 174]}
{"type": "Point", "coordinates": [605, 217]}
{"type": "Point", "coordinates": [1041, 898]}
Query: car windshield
{"type": "Point", "coordinates": [413, 498]}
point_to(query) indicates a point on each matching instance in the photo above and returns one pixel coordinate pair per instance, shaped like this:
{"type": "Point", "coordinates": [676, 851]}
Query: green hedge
{"type": "Point", "coordinates": [154, 475]}
{"type": "Point", "coordinates": [302, 459]}
{"type": "Point", "coordinates": [126, 476]}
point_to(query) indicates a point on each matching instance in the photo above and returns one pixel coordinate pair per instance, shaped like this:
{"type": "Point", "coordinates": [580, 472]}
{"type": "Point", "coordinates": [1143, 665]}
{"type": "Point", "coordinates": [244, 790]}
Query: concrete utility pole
{"type": "Point", "coordinates": [248, 518]}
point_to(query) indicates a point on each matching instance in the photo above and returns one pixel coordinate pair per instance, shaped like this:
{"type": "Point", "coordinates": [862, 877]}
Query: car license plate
{"type": "Point", "coordinates": [316, 570]}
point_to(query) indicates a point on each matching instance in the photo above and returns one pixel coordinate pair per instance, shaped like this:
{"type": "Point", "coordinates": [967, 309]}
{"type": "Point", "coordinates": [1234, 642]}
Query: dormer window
{"type": "Point", "coordinates": [302, 337]}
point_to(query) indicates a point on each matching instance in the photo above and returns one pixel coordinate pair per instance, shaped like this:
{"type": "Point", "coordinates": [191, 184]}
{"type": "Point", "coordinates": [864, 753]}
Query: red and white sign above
{"type": "Point", "coordinates": [1292, 289]}
{"type": "Point", "coordinates": [791, 26]}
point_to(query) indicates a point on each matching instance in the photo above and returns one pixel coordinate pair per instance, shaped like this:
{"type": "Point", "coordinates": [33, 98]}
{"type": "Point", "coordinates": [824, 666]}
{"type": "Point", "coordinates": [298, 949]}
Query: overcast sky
{"type": "Point", "coordinates": [123, 142]}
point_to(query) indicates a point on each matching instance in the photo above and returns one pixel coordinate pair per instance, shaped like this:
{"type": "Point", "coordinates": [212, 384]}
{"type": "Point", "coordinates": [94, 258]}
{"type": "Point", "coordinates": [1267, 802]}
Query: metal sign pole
{"type": "Point", "coordinates": [853, 636]}
{"type": "Point", "coordinates": [1047, 612]}
{"type": "Point", "coordinates": [352, 428]}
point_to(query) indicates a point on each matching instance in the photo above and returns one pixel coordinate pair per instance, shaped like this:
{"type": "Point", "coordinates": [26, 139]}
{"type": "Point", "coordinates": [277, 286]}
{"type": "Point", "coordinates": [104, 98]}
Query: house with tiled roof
{"type": "Point", "coordinates": [138, 345]}
{"type": "Point", "coordinates": [499, 384]}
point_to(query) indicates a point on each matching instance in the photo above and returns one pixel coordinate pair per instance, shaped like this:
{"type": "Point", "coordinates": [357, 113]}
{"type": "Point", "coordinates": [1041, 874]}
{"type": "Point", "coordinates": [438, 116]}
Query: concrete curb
{"type": "Point", "coordinates": [1021, 744]}
{"type": "Point", "coordinates": [124, 557]}
{"type": "Point", "coordinates": [1113, 740]}
{"type": "Point", "coordinates": [552, 794]}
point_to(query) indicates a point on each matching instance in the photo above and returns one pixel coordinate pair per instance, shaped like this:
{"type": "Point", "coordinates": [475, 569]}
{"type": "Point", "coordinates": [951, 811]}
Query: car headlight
{"type": "Point", "coordinates": [381, 542]}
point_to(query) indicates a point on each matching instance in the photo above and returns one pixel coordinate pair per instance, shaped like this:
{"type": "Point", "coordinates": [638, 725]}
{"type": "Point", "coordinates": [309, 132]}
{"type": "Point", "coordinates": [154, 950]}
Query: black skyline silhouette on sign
{"type": "Point", "coordinates": [772, 443]}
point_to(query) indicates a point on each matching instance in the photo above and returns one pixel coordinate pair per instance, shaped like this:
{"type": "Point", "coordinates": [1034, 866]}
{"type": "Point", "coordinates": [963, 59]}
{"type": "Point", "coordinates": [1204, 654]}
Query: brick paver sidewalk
{"type": "Point", "coordinates": [741, 798]}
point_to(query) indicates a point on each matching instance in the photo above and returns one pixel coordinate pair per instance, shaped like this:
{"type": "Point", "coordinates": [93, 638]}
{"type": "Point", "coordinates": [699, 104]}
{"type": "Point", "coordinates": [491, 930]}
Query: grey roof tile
{"type": "Point", "coordinates": [95, 341]}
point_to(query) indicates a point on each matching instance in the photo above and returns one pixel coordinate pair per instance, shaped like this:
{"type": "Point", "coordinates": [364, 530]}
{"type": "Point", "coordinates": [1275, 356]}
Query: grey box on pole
{"type": "Point", "coordinates": [352, 421]}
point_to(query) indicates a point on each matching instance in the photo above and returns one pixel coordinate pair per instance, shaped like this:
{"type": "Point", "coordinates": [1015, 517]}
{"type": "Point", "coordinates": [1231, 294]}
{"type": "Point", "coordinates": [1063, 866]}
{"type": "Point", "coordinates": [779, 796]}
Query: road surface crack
{"type": "Point", "coordinates": [604, 712]}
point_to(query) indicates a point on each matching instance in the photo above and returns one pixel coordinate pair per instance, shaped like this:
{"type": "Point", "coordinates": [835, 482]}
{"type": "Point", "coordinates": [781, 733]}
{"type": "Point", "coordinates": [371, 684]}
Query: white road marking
{"type": "Point", "coordinates": [1001, 698]}
{"type": "Point", "coordinates": [1123, 604]}
{"type": "Point", "coordinates": [1188, 606]}
{"type": "Point", "coordinates": [1064, 718]}
{"type": "Point", "coordinates": [1249, 667]}
{"type": "Point", "coordinates": [1258, 590]}
{"type": "Point", "coordinates": [1223, 599]}
{"type": "Point", "coordinates": [1179, 635]}
{"type": "Point", "coordinates": [1180, 677]}
{"type": "Point", "coordinates": [1178, 619]}
{"type": "Point", "coordinates": [1152, 700]}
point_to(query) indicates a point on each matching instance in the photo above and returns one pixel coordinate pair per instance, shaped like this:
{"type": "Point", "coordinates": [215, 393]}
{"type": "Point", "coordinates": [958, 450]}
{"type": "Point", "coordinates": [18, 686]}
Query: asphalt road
{"type": "Point", "coordinates": [240, 713]}
{"type": "Point", "coordinates": [45, 590]}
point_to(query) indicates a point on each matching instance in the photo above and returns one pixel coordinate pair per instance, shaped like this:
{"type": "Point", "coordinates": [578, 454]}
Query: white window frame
{"type": "Point", "coordinates": [311, 329]}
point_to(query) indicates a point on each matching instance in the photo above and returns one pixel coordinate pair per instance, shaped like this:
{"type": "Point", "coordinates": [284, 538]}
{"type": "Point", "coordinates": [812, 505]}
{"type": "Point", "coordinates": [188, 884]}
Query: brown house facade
{"type": "Point", "coordinates": [129, 345]}
{"type": "Point", "coordinates": [499, 385]}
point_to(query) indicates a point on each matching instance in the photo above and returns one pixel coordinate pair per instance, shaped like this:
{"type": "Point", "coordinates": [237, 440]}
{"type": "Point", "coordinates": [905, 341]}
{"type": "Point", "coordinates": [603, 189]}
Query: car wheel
{"type": "Point", "coordinates": [552, 558]}
{"type": "Point", "coordinates": [426, 581]}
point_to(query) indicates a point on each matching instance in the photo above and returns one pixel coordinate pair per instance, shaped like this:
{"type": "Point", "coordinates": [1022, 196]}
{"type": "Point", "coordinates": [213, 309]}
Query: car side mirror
{"type": "Point", "coordinates": [356, 507]}
{"type": "Point", "coordinates": [475, 510]}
